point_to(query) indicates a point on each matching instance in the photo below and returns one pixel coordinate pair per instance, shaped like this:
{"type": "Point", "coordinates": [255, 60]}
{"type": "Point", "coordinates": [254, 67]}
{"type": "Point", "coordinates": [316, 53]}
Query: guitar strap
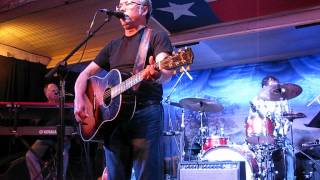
{"type": "Point", "coordinates": [142, 53]}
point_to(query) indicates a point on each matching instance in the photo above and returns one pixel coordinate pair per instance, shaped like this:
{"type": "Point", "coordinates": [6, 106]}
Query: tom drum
{"type": "Point", "coordinates": [259, 130]}
{"type": "Point", "coordinates": [214, 141]}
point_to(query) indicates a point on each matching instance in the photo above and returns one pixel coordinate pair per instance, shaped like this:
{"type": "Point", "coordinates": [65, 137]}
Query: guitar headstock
{"type": "Point", "coordinates": [180, 58]}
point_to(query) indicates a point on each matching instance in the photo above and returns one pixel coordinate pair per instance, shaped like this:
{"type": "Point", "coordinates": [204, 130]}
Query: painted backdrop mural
{"type": "Point", "coordinates": [233, 88]}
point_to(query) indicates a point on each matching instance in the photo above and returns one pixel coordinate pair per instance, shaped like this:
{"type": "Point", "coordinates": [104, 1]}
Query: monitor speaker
{"type": "Point", "coordinates": [222, 170]}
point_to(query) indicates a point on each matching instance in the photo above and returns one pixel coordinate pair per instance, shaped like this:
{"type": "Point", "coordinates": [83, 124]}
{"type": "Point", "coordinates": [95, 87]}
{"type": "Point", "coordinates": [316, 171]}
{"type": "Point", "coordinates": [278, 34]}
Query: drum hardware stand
{"type": "Point", "coordinates": [263, 160]}
{"type": "Point", "coordinates": [181, 145]}
{"type": "Point", "coordinates": [314, 163]}
{"type": "Point", "coordinates": [260, 160]}
{"type": "Point", "coordinates": [309, 157]}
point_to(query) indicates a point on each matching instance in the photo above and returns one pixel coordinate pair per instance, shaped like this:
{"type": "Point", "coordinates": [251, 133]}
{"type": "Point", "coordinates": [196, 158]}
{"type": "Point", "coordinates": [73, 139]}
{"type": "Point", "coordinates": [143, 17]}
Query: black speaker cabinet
{"type": "Point", "coordinates": [222, 170]}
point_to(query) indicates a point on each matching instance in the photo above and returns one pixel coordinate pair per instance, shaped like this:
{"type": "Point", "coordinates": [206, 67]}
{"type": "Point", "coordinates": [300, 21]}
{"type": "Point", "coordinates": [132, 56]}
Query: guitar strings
{"type": "Point", "coordinates": [171, 58]}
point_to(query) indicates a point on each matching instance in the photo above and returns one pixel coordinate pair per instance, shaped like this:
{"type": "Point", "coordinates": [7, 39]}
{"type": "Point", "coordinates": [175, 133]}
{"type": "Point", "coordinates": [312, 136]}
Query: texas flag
{"type": "Point", "coordinates": [180, 15]}
{"type": "Point", "coordinates": [232, 10]}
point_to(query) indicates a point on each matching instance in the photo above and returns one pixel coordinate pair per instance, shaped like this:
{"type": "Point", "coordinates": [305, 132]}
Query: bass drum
{"type": "Point", "coordinates": [234, 153]}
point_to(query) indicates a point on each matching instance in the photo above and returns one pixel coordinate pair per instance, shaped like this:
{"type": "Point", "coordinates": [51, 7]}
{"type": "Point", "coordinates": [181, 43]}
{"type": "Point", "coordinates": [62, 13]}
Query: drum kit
{"type": "Point", "coordinates": [264, 139]}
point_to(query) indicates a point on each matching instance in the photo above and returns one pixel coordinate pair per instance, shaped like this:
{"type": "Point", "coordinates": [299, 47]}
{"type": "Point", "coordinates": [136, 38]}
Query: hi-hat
{"type": "Point", "coordinates": [279, 92]}
{"type": "Point", "coordinates": [292, 116]}
{"type": "Point", "coordinates": [201, 105]}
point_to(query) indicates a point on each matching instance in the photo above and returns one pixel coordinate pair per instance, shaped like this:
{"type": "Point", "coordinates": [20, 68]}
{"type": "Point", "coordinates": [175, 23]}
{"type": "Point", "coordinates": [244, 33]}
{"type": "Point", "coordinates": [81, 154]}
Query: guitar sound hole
{"type": "Point", "coordinates": [107, 97]}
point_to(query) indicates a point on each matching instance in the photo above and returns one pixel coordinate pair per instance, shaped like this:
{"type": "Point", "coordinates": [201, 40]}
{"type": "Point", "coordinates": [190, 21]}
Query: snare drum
{"type": "Point", "coordinates": [214, 141]}
{"type": "Point", "coordinates": [259, 130]}
{"type": "Point", "coordinates": [234, 153]}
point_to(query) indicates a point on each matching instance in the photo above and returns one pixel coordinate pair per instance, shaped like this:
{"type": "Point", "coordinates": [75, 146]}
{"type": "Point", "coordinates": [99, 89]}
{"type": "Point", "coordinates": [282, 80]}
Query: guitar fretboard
{"type": "Point", "coordinates": [170, 62]}
{"type": "Point", "coordinates": [127, 84]}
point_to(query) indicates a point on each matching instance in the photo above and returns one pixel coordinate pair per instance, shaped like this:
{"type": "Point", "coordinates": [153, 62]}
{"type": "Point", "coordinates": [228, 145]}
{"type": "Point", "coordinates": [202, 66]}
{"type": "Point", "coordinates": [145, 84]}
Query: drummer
{"type": "Point", "coordinates": [273, 109]}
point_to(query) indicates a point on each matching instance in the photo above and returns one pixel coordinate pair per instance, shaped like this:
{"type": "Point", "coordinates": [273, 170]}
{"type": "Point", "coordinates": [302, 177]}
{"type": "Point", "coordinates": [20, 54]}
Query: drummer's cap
{"type": "Point", "coordinates": [267, 79]}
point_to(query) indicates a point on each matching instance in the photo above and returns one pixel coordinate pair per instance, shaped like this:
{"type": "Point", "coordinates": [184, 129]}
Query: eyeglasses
{"type": "Point", "coordinates": [126, 5]}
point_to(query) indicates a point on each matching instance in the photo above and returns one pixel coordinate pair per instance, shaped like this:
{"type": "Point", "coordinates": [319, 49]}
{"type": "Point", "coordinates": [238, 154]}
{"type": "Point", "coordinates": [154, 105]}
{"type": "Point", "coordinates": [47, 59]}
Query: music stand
{"type": "Point", "coordinates": [315, 122]}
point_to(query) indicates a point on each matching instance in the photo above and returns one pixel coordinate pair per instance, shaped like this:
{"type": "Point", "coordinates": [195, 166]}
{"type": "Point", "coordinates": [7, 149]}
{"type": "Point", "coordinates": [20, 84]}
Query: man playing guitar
{"type": "Point", "coordinates": [135, 141]}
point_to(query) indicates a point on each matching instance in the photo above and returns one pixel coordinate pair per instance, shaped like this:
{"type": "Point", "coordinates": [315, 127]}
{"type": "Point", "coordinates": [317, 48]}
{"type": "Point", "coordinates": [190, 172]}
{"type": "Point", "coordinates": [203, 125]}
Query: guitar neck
{"type": "Point", "coordinates": [168, 63]}
{"type": "Point", "coordinates": [127, 84]}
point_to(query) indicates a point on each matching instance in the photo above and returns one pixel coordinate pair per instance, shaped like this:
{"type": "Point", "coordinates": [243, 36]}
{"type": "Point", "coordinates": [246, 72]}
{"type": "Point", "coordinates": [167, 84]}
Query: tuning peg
{"type": "Point", "coordinates": [180, 70]}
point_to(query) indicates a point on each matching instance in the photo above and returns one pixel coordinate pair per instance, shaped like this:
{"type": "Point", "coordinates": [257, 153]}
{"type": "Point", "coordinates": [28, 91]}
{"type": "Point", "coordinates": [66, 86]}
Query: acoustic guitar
{"type": "Point", "coordinates": [108, 101]}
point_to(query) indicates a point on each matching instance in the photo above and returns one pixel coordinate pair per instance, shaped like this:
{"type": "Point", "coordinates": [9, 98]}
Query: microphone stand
{"type": "Point", "coordinates": [175, 85]}
{"type": "Point", "coordinates": [314, 100]}
{"type": "Point", "coordinates": [61, 70]}
{"type": "Point", "coordinates": [182, 125]}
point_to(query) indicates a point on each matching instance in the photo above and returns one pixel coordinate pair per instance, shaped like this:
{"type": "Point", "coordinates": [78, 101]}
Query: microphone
{"type": "Point", "coordinates": [117, 14]}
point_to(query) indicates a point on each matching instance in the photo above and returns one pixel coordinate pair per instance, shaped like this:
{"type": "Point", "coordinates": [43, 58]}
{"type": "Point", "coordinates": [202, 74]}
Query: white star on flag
{"type": "Point", "coordinates": [178, 10]}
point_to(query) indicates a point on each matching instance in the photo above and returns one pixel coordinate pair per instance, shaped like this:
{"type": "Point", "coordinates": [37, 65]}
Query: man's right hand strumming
{"type": "Point", "coordinates": [80, 108]}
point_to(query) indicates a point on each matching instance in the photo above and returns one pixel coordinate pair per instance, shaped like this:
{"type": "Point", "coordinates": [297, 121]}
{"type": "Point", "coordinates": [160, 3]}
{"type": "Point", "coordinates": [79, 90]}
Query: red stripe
{"type": "Point", "coordinates": [230, 10]}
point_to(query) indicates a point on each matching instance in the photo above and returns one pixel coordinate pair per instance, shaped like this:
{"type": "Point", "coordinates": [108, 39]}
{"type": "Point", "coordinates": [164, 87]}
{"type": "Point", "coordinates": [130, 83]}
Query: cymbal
{"type": "Point", "coordinates": [175, 104]}
{"type": "Point", "coordinates": [202, 105]}
{"type": "Point", "coordinates": [279, 92]}
{"type": "Point", "coordinates": [292, 116]}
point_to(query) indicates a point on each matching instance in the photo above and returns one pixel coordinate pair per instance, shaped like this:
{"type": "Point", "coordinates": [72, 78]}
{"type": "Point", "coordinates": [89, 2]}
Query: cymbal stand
{"type": "Point", "coordinates": [202, 131]}
{"type": "Point", "coordinates": [292, 146]}
{"type": "Point", "coordinates": [286, 148]}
